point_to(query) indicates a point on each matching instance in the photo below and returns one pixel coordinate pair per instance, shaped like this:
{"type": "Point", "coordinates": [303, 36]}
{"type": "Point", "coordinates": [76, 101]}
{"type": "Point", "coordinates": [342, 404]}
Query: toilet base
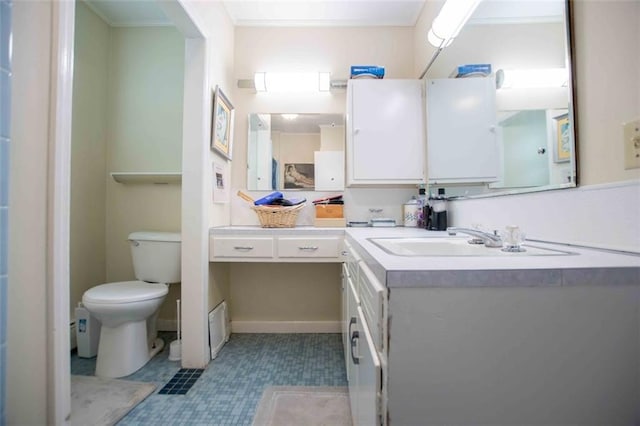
{"type": "Point", "coordinates": [123, 350]}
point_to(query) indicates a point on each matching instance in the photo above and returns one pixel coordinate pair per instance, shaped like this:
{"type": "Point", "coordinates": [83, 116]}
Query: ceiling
{"type": "Point", "coordinates": [324, 13]}
{"type": "Point", "coordinates": [273, 12]}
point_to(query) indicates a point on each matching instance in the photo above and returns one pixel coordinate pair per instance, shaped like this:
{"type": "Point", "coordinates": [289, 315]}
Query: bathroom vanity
{"type": "Point", "coordinates": [551, 335]}
{"type": "Point", "coordinates": [550, 338]}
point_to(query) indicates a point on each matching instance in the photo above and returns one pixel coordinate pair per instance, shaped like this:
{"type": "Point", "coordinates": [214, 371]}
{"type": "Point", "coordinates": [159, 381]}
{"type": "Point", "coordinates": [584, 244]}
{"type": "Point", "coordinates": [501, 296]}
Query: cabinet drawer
{"type": "Point", "coordinates": [254, 247]}
{"type": "Point", "coordinates": [308, 247]}
{"type": "Point", "coordinates": [372, 295]}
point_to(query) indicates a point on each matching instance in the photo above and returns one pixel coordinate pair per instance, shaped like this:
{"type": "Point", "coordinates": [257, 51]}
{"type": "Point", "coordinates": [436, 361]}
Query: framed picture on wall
{"type": "Point", "coordinates": [299, 175]}
{"type": "Point", "coordinates": [220, 184]}
{"type": "Point", "coordinates": [562, 151]}
{"type": "Point", "coordinates": [222, 124]}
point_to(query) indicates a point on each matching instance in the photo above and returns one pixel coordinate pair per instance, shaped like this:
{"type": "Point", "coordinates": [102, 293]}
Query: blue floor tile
{"type": "Point", "coordinates": [231, 386]}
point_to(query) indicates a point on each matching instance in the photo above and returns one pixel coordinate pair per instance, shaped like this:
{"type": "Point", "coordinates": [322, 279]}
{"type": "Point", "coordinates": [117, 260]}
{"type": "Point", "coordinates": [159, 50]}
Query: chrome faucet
{"type": "Point", "coordinates": [480, 237]}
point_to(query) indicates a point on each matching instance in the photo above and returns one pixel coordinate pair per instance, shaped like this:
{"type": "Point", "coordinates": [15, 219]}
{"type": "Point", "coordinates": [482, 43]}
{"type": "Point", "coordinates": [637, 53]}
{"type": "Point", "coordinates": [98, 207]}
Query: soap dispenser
{"type": "Point", "coordinates": [438, 212]}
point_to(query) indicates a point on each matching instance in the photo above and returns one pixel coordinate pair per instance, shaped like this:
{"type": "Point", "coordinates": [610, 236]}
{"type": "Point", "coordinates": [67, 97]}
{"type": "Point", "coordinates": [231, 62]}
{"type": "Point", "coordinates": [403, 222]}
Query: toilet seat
{"type": "Point", "coordinates": [125, 292]}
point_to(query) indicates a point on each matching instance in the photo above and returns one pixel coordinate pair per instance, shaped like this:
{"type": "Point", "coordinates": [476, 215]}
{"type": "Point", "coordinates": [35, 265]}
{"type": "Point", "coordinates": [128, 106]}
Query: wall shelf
{"type": "Point", "coordinates": [158, 178]}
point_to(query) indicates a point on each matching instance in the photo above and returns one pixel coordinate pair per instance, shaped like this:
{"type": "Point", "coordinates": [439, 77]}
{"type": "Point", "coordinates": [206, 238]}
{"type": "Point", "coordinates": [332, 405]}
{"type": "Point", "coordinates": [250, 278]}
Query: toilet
{"type": "Point", "coordinates": [128, 310]}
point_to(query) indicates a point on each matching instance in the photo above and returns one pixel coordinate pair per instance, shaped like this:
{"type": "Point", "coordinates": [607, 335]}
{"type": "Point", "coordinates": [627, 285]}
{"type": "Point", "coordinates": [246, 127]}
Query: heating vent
{"type": "Point", "coordinates": [219, 329]}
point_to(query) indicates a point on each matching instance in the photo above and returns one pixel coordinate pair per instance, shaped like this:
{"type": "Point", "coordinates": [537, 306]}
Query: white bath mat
{"type": "Point", "coordinates": [100, 402]}
{"type": "Point", "coordinates": [302, 405]}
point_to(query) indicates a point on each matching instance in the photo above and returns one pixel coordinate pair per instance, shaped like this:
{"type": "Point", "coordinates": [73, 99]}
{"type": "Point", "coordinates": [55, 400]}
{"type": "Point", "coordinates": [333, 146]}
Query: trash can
{"type": "Point", "coordinates": [87, 333]}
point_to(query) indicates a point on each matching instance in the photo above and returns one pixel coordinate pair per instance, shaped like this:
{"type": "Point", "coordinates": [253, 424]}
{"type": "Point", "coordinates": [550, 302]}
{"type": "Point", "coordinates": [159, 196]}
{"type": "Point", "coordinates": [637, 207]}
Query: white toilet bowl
{"type": "Point", "coordinates": [127, 311]}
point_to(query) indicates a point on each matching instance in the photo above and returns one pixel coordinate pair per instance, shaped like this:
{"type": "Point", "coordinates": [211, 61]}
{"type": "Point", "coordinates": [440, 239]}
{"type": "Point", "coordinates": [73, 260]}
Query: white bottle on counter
{"type": "Point", "coordinates": [412, 210]}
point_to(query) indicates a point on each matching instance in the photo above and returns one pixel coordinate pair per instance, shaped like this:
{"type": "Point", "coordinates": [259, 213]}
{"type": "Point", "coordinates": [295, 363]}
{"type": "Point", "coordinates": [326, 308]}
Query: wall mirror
{"type": "Point", "coordinates": [527, 44]}
{"type": "Point", "coordinates": [295, 152]}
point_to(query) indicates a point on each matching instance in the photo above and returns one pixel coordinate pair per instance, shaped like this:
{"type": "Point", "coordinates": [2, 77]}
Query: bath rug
{"type": "Point", "coordinates": [100, 402]}
{"type": "Point", "coordinates": [303, 405]}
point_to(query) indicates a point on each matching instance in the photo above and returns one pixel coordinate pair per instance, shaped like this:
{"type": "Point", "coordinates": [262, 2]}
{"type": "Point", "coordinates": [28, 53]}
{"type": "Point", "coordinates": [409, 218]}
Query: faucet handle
{"type": "Point", "coordinates": [513, 238]}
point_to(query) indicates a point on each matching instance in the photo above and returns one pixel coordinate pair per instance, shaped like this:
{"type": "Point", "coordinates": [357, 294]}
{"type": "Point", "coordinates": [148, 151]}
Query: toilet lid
{"type": "Point", "coordinates": [126, 291]}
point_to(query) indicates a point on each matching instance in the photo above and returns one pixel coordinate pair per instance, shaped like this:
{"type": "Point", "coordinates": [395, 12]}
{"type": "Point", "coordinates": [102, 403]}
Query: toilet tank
{"type": "Point", "coordinates": [156, 256]}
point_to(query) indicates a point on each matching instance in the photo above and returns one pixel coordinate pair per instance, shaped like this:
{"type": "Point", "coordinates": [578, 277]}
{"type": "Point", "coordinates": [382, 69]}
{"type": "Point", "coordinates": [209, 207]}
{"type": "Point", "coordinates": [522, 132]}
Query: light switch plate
{"type": "Point", "coordinates": [632, 144]}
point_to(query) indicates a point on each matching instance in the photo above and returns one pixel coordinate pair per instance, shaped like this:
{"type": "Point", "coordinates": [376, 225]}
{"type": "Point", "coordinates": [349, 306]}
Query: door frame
{"type": "Point", "coordinates": [58, 257]}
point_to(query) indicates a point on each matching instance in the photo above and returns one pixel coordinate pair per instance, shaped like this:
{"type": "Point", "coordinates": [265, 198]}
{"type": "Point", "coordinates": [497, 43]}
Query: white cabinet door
{"type": "Point", "coordinates": [461, 130]}
{"type": "Point", "coordinates": [369, 378]}
{"type": "Point", "coordinates": [344, 320]}
{"type": "Point", "coordinates": [329, 170]}
{"type": "Point", "coordinates": [385, 132]}
{"type": "Point", "coordinates": [351, 349]}
{"type": "Point", "coordinates": [363, 365]}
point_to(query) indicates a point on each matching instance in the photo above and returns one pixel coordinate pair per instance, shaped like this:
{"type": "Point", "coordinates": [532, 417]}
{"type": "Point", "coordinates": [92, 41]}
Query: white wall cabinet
{"type": "Point", "coordinates": [329, 170]}
{"type": "Point", "coordinates": [385, 132]}
{"type": "Point", "coordinates": [461, 130]}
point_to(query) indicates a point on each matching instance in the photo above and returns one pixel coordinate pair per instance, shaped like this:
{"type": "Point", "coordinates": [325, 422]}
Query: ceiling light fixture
{"type": "Point", "coordinates": [450, 20]}
{"type": "Point", "coordinates": [292, 81]}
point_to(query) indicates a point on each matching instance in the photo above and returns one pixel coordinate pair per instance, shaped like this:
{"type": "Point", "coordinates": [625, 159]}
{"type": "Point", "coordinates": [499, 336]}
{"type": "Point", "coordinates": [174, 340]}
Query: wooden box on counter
{"type": "Point", "coordinates": [329, 211]}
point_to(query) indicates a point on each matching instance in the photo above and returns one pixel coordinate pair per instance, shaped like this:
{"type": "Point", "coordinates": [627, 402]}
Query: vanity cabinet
{"type": "Point", "coordinates": [385, 132]}
{"type": "Point", "coordinates": [462, 144]}
{"type": "Point", "coordinates": [429, 345]}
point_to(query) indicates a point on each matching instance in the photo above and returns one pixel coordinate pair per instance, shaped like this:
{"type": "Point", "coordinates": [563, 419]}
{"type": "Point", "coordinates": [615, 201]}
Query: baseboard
{"type": "Point", "coordinates": [286, 326]}
{"type": "Point", "coordinates": [167, 325]}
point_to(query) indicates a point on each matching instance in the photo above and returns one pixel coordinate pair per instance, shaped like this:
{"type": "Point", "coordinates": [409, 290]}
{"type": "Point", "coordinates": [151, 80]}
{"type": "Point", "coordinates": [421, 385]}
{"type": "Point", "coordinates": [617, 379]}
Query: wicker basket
{"type": "Point", "coordinates": [277, 216]}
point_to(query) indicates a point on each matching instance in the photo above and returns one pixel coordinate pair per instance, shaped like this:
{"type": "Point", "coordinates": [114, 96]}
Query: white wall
{"type": "Point", "coordinates": [88, 155]}
{"type": "Point", "coordinates": [209, 62]}
{"type": "Point", "coordinates": [127, 117]}
{"type": "Point", "coordinates": [608, 85]}
{"type": "Point", "coordinates": [145, 90]}
{"type": "Point", "coordinates": [27, 321]}
{"type": "Point", "coordinates": [309, 49]}
{"type": "Point", "coordinates": [305, 49]}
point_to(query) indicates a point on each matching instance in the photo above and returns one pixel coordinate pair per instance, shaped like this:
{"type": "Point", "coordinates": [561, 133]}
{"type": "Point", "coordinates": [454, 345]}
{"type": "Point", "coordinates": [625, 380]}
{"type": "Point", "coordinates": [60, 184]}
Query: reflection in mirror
{"type": "Point", "coordinates": [295, 151]}
{"type": "Point", "coordinates": [526, 44]}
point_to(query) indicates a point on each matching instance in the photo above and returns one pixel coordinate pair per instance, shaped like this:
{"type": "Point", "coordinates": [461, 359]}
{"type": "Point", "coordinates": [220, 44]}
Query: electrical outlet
{"type": "Point", "coordinates": [632, 144]}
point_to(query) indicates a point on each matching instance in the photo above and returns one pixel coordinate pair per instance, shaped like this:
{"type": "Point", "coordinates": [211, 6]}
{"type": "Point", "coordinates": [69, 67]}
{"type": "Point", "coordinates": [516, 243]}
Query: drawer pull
{"type": "Point", "coordinates": [353, 336]}
{"type": "Point", "coordinates": [243, 248]}
{"type": "Point", "coordinates": [308, 248]}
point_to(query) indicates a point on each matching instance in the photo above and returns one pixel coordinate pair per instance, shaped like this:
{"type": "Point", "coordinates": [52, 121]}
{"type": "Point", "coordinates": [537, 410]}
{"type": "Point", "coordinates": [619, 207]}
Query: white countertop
{"type": "Point", "coordinates": [583, 257]}
{"type": "Point", "coordinates": [584, 266]}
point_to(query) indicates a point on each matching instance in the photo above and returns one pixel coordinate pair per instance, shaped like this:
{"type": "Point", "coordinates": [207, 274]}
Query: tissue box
{"type": "Point", "coordinates": [464, 70]}
{"type": "Point", "coordinates": [329, 210]}
{"type": "Point", "coordinates": [373, 71]}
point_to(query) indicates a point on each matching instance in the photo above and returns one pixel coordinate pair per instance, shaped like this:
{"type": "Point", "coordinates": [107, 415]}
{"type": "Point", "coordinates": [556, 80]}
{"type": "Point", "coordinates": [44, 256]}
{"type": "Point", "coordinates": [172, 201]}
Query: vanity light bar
{"type": "Point", "coordinates": [450, 20]}
{"type": "Point", "coordinates": [292, 81]}
{"type": "Point", "coordinates": [534, 79]}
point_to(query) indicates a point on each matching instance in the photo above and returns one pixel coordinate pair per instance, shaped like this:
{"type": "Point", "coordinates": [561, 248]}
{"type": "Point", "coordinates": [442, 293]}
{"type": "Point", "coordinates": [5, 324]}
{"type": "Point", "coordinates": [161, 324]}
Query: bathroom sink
{"type": "Point", "coordinates": [453, 246]}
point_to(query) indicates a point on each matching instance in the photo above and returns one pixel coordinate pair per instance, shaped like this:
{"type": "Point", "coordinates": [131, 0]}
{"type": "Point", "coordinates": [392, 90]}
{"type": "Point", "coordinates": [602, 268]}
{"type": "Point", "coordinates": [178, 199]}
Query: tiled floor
{"type": "Point", "coordinates": [228, 391]}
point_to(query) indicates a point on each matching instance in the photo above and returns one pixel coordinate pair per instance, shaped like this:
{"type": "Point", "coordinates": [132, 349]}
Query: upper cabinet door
{"type": "Point", "coordinates": [385, 132]}
{"type": "Point", "coordinates": [329, 170]}
{"type": "Point", "coordinates": [461, 130]}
